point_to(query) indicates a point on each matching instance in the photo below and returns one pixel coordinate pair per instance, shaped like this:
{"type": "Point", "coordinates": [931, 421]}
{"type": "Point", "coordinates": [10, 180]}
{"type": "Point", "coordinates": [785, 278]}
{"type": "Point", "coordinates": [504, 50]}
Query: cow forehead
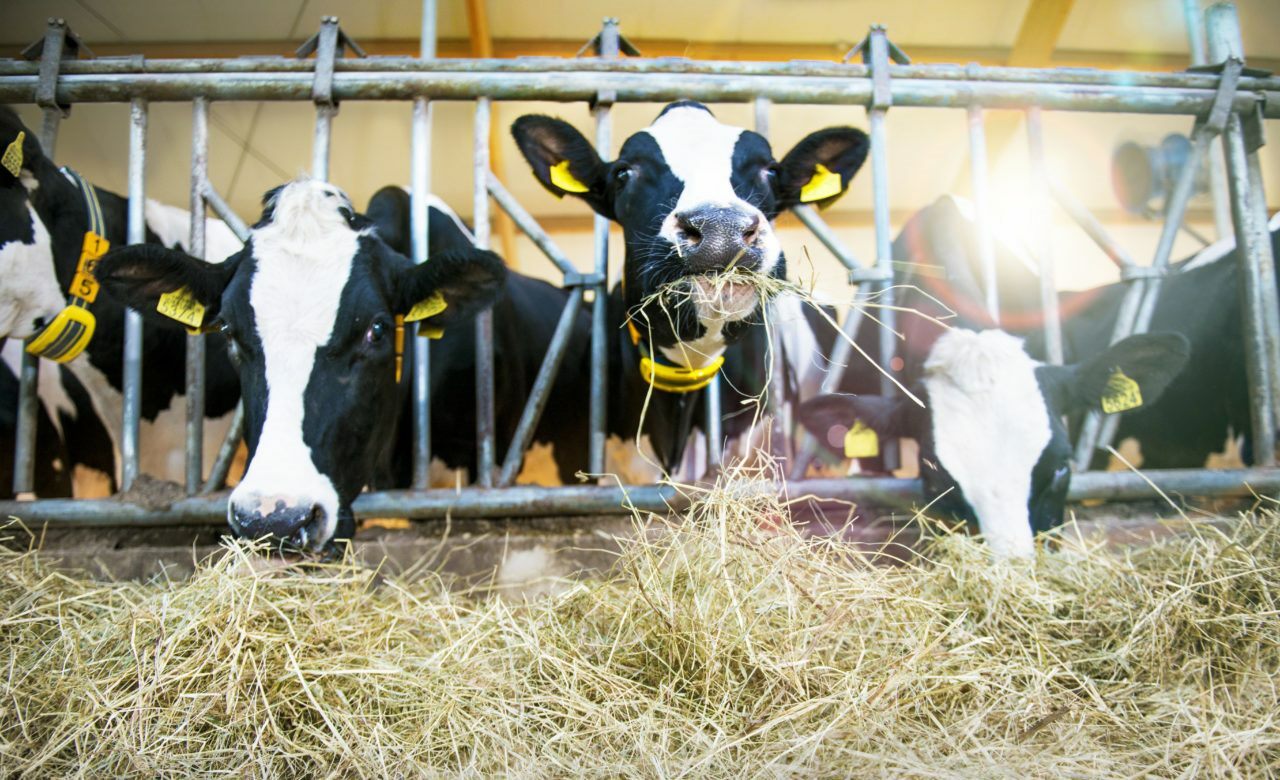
{"type": "Point", "coordinates": [990, 422]}
{"type": "Point", "coordinates": [696, 146]}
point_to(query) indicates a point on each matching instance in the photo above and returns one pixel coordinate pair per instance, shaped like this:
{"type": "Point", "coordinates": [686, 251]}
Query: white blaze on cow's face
{"type": "Point", "coordinates": [303, 258]}
{"type": "Point", "coordinates": [29, 296]}
{"type": "Point", "coordinates": [990, 428]}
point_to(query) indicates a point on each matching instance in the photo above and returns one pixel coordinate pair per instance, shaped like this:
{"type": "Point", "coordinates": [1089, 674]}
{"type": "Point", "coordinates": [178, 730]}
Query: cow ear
{"type": "Point", "coordinates": [831, 417]}
{"type": "Point", "coordinates": [1130, 374]}
{"type": "Point", "coordinates": [141, 275]}
{"type": "Point", "coordinates": [563, 160]}
{"type": "Point", "coordinates": [820, 168]}
{"type": "Point", "coordinates": [450, 287]}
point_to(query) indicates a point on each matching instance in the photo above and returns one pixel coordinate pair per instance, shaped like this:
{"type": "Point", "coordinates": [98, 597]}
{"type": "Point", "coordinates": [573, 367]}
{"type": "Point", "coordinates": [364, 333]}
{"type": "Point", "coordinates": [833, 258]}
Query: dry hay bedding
{"type": "Point", "coordinates": [724, 646]}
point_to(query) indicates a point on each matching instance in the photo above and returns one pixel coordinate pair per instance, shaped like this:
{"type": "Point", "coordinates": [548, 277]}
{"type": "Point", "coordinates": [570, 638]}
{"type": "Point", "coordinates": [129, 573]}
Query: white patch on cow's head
{"type": "Point", "coordinates": [29, 291]}
{"type": "Point", "coordinates": [699, 151]}
{"type": "Point", "coordinates": [304, 258]}
{"type": "Point", "coordinates": [990, 426]}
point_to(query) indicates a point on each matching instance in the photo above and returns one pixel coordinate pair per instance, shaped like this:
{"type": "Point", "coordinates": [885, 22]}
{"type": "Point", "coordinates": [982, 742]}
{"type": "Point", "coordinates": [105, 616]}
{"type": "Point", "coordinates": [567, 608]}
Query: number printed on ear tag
{"type": "Point", "coordinates": [182, 306]}
{"type": "Point", "coordinates": [861, 442]}
{"type": "Point", "coordinates": [1121, 395]}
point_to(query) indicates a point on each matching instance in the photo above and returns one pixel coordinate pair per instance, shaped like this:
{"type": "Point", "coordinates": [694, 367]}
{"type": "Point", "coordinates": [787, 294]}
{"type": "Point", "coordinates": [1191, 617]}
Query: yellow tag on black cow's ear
{"type": "Point", "coordinates": [1121, 395]}
{"type": "Point", "coordinates": [566, 181]}
{"type": "Point", "coordinates": [861, 442]}
{"type": "Point", "coordinates": [428, 307]}
{"type": "Point", "coordinates": [182, 306]}
{"type": "Point", "coordinates": [12, 157]}
{"type": "Point", "coordinates": [824, 184]}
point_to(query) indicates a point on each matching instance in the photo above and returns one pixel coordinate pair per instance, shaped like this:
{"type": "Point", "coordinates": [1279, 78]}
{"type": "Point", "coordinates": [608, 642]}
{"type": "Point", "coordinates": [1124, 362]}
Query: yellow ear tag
{"type": "Point", "coordinates": [824, 184]}
{"type": "Point", "coordinates": [428, 307]}
{"type": "Point", "coordinates": [1121, 395]}
{"type": "Point", "coordinates": [861, 442]}
{"type": "Point", "coordinates": [12, 157]}
{"type": "Point", "coordinates": [182, 306]}
{"type": "Point", "coordinates": [561, 177]}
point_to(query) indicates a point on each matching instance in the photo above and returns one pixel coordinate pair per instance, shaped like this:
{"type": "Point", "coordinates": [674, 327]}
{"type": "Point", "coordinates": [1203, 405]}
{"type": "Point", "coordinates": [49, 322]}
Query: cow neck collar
{"type": "Point", "coordinates": [661, 374]}
{"type": "Point", "coordinates": [71, 331]}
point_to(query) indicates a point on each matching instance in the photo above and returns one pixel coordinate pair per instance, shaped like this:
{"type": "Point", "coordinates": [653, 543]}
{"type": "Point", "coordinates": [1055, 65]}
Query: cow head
{"type": "Point", "coordinates": [30, 296]}
{"type": "Point", "coordinates": [695, 198]}
{"type": "Point", "coordinates": [993, 449]}
{"type": "Point", "coordinates": [310, 307]}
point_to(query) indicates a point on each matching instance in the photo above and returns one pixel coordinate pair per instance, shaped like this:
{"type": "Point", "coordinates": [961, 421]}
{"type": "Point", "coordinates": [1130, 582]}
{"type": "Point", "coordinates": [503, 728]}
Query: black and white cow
{"type": "Point", "coordinates": [29, 294]}
{"type": "Point", "coordinates": [524, 319]}
{"type": "Point", "coordinates": [993, 450]}
{"type": "Point", "coordinates": [1204, 406]}
{"type": "Point", "coordinates": [695, 197]}
{"type": "Point", "coordinates": [48, 204]}
{"type": "Point", "coordinates": [310, 306]}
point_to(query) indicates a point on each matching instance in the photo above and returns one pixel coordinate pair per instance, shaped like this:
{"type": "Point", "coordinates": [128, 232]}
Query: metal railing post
{"type": "Point", "coordinates": [1217, 167]}
{"type": "Point", "coordinates": [608, 47]}
{"type": "Point", "coordinates": [982, 207]}
{"type": "Point", "coordinates": [137, 234]}
{"type": "Point", "coordinates": [196, 343]}
{"type": "Point", "coordinates": [328, 44]}
{"type": "Point", "coordinates": [1044, 257]}
{"type": "Point", "coordinates": [485, 450]}
{"type": "Point", "coordinates": [419, 225]}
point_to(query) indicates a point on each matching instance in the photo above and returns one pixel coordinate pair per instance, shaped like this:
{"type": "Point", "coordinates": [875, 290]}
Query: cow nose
{"type": "Point", "coordinates": [714, 238]}
{"type": "Point", "coordinates": [285, 518]}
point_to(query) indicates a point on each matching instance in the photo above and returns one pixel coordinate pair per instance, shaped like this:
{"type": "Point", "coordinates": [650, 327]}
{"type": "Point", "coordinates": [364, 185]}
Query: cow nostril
{"type": "Point", "coordinates": [686, 231]}
{"type": "Point", "coordinates": [752, 233]}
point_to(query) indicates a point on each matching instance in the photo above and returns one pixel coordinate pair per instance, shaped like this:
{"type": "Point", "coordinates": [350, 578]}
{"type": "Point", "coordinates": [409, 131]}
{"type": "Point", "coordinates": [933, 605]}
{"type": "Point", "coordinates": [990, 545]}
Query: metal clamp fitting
{"type": "Point", "coordinates": [328, 45]}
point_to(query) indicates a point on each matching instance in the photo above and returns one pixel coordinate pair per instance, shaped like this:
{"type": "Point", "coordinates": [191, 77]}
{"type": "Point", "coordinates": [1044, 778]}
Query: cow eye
{"type": "Point", "coordinates": [377, 331]}
{"type": "Point", "coordinates": [622, 176]}
{"type": "Point", "coordinates": [770, 175]}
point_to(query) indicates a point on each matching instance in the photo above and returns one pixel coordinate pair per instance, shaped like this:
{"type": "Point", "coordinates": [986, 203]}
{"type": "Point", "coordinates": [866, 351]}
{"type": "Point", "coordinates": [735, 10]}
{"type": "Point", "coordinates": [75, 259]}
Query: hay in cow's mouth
{"type": "Point", "coordinates": [723, 644]}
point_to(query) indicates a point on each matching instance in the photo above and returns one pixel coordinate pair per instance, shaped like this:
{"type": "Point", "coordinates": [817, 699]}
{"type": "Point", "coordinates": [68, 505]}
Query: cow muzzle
{"type": "Point", "coordinates": [714, 239]}
{"type": "Point", "coordinates": [293, 522]}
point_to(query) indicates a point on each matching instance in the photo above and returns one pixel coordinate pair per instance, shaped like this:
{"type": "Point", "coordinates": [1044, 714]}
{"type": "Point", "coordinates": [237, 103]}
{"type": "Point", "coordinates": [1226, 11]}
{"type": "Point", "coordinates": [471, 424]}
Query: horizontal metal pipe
{"type": "Point", "coordinates": [137, 64]}
{"type": "Point", "coordinates": [525, 501]}
{"type": "Point", "coordinates": [504, 84]}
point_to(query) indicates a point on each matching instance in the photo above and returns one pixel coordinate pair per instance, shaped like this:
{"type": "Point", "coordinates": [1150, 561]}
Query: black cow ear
{"type": "Point", "coordinates": [450, 288]}
{"type": "Point", "coordinates": [1130, 374]}
{"type": "Point", "coordinates": [821, 167]}
{"type": "Point", "coordinates": [830, 417]}
{"type": "Point", "coordinates": [140, 276]}
{"type": "Point", "coordinates": [563, 160]}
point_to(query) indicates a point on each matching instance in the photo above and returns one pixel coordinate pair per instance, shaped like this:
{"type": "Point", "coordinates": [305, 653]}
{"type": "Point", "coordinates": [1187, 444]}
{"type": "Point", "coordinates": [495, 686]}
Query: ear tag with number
{"type": "Point", "coordinates": [861, 442]}
{"type": "Point", "coordinates": [566, 181]}
{"type": "Point", "coordinates": [182, 306]}
{"type": "Point", "coordinates": [12, 157]}
{"type": "Point", "coordinates": [824, 184]}
{"type": "Point", "coordinates": [1121, 395]}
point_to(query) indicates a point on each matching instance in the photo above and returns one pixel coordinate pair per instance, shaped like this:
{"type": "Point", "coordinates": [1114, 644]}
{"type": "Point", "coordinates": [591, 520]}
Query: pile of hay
{"type": "Point", "coordinates": [726, 646]}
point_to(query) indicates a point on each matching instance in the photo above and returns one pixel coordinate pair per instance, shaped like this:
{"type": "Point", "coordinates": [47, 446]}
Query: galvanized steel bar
{"type": "Point", "coordinates": [608, 49]}
{"type": "Point", "coordinates": [540, 391]}
{"type": "Point", "coordinates": [530, 227]}
{"type": "Point", "coordinates": [878, 57]}
{"type": "Point", "coordinates": [224, 212]}
{"type": "Point", "coordinates": [137, 234]}
{"type": "Point", "coordinates": [982, 206]}
{"type": "Point", "coordinates": [1081, 215]}
{"type": "Point", "coordinates": [579, 500]}
{"type": "Point", "coordinates": [226, 453]}
{"type": "Point", "coordinates": [485, 450]}
{"type": "Point", "coordinates": [320, 144]}
{"type": "Point", "coordinates": [420, 240]}
{"type": "Point", "coordinates": [196, 343]}
{"type": "Point", "coordinates": [1216, 165]}
{"type": "Point", "coordinates": [503, 82]}
{"type": "Point", "coordinates": [810, 218]}
{"type": "Point", "coordinates": [1044, 257]}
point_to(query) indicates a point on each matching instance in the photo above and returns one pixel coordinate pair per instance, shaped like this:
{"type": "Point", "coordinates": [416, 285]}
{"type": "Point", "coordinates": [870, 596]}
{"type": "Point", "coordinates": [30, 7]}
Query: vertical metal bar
{"type": "Point", "coordinates": [1217, 170]}
{"type": "Point", "coordinates": [1044, 257]}
{"type": "Point", "coordinates": [484, 322]}
{"type": "Point", "coordinates": [884, 261]}
{"type": "Point", "coordinates": [982, 205]}
{"type": "Point", "coordinates": [137, 234]}
{"type": "Point", "coordinates": [196, 343]}
{"type": "Point", "coordinates": [320, 146]}
{"type": "Point", "coordinates": [760, 108]}
{"type": "Point", "coordinates": [420, 234]}
{"type": "Point", "coordinates": [598, 410]}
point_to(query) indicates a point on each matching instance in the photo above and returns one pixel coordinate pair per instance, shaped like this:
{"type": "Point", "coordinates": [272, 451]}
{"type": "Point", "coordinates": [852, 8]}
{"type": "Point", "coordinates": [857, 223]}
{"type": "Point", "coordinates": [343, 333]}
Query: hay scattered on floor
{"type": "Point", "coordinates": [728, 646]}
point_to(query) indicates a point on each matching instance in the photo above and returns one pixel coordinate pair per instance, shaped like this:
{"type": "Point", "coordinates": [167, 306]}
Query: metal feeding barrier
{"type": "Point", "coordinates": [1227, 100]}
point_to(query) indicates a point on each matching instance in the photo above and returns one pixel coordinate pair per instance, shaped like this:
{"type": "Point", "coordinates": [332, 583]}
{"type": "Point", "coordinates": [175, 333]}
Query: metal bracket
{"type": "Point", "coordinates": [877, 50]}
{"type": "Point", "coordinates": [59, 43]}
{"type": "Point", "coordinates": [328, 45]}
{"type": "Point", "coordinates": [860, 275]}
{"type": "Point", "coordinates": [583, 280]}
{"type": "Point", "coordinates": [608, 44]}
